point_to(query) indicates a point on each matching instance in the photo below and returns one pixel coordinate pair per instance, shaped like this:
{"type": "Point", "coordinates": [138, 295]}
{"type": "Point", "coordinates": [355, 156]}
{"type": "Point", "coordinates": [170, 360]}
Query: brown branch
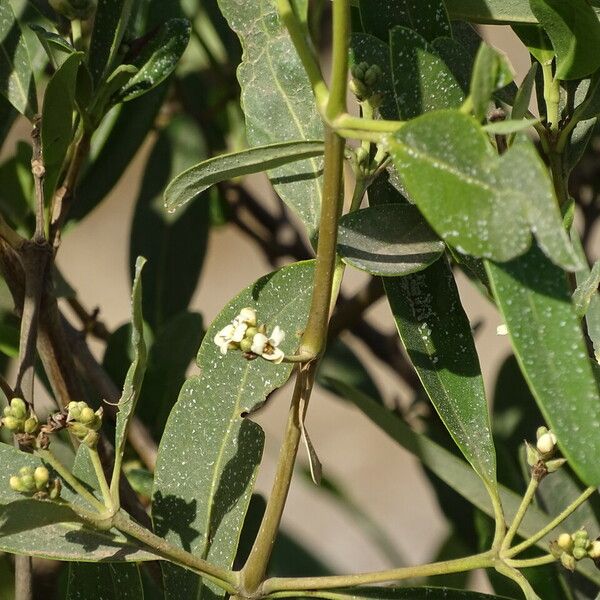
{"type": "Point", "coordinates": [90, 322]}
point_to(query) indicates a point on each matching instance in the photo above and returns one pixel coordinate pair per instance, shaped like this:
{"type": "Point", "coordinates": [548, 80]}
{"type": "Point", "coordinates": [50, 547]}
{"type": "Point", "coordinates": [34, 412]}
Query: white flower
{"type": "Point", "coordinates": [546, 443]}
{"type": "Point", "coordinates": [267, 347]}
{"type": "Point", "coordinates": [502, 329]}
{"type": "Point", "coordinates": [234, 333]}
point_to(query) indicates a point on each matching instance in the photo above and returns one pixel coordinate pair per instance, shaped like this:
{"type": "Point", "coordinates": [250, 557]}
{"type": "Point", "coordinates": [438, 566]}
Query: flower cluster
{"type": "Point", "coordinates": [36, 482]}
{"type": "Point", "coordinates": [245, 334]}
{"type": "Point", "coordinates": [570, 548]}
{"type": "Point", "coordinates": [19, 418]}
{"type": "Point", "coordinates": [83, 422]}
{"type": "Point", "coordinates": [365, 80]}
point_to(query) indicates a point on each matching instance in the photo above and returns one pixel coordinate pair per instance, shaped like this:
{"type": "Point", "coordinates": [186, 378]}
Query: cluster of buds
{"type": "Point", "coordinates": [569, 548]}
{"type": "Point", "coordinates": [84, 423]}
{"type": "Point", "coordinates": [19, 418]}
{"type": "Point", "coordinates": [36, 482]}
{"type": "Point", "coordinates": [364, 83]}
{"type": "Point", "coordinates": [74, 9]}
{"type": "Point", "coordinates": [541, 456]}
{"type": "Point", "coordinates": [245, 334]}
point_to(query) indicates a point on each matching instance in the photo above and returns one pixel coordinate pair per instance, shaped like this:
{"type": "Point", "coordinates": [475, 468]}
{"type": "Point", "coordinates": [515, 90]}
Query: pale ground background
{"type": "Point", "coordinates": [377, 473]}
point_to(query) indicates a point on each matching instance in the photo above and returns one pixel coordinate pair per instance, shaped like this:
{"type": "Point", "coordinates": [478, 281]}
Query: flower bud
{"type": "Point", "coordinates": [31, 425]}
{"type": "Point", "coordinates": [18, 408]}
{"type": "Point", "coordinates": [555, 464]}
{"type": "Point", "coordinates": [579, 553]}
{"type": "Point", "coordinates": [533, 456]}
{"type": "Point", "coordinates": [87, 416]}
{"type": "Point", "coordinates": [581, 538]}
{"type": "Point", "coordinates": [565, 542]}
{"type": "Point", "coordinates": [594, 550]}
{"type": "Point", "coordinates": [540, 431]}
{"type": "Point", "coordinates": [15, 484]}
{"type": "Point", "coordinates": [41, 476]}
{"type": "Point", "coordinates": [74, 9]}
{"type": "Point", "coordinates": [15, 425]}
{"type": "Point", "coordinates": [568, 562]}
{"type": "Point", "coordinates": [246, 344]}
{"type": "Point", "coordinates": [28, 482]}
{"type": "Point", "coordinates": [546, 443]}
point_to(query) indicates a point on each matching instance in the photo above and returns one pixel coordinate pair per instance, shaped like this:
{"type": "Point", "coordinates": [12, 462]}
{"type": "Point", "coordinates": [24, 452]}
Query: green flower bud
{"type": "Point", "coordinates": [359, 70]}
{"type": "Point", "coordinates": [87, 416]}
{"type": "Point", "coordinates": [565, 542]}
{"type": "Point", "coordinates": [41, 476]}
{"type": "Point", "coordinates": [15, 484]}
{"type": "Point", "coordinates": [78, 429]}
{"type": "Point", "coordinates": [372, 75]}
{"type": "Point", "coordinates": [246, 344]}
{"type": "Point", "coordinates": [15, 425]}
{"type": "Point", "coordinates": [18, 408]}
{"type": "Point", "coordinates": [533, 456]}
{"type": "Point", "coordinates": [28, 482]}
{"type": "Point", "coordinates": [31, 425]}
{"type": "Point", "coordinates": [579, 553]}
{"type": "Point", "coordinates": [74, 410]}
{"type": "Point", "coordinates": [26, 471]}
{"type": "Point", "coordinates": [74, 9]}
{"type": "Point", "coordinates": [568, 562]}
{"type": "Point", "coordinates": [581, 538]}
{"type": "Point", "coordinates": [594, 550]}
{"type": "Point", "coordinates": [554, 465]}
{"type": "Point", "coordinates": [251, 332]}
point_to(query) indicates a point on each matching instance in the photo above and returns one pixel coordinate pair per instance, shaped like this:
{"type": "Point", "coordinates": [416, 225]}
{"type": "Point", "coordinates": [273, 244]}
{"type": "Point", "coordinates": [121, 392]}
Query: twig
{"type": "Point", "coordinates": [90, 321]}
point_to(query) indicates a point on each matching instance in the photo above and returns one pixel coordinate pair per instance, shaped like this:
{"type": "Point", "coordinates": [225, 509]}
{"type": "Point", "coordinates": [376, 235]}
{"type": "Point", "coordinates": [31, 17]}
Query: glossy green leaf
{"type": "Point", "coordinates": [17, 84]}
{"type": "Point", "coordinates": [574, 29]}
{"type": "Point", "coordinates": [534, 298]}
{"type": "Point", "coordinates": [409, 593]}
{"type": "Point", "coordinates": [110, 23]}
{"type": "Point", "coordinates": [135, 374]}
{"type": "Point", "coordinates": [427, 17]}
{"type": "Point", "coordinates": [112, 581]}
{"type": "Point", "coordinates": [174, 244]}
{"type": "Point", "coordinates": [490, 73]}
{"type": "Point", "coordinates": [209, 452]}
{"type": "Point", "coordinates": [491, 11]}
{"type": "Point", "coordinates": [113, 148]}
{"type": "Point", "coordinates": [388, 240]}
{"type": "Point", "coordinates": [158, 59]}
{"type": "Point", "coordinates": [167, 369]}
{"type": "Point", "coordinates": [492, 203]}
{"type": "Point", "coordinates": [57, 48]}
{"type": "Point", "coordinates": [523, 97]}
{"type": "Point", "coordinates": [49, 530]}
{"type": "Point", "coordinates": [114, 82]}
{"type": "Point", "coordinates": [431, 83]}
{"type": "Point", "coordinates": [195, 180]}
{"type": "Point", "coordinates": [57, 121]}
{"type": "Point", "coordinates": [457, 473]}
{"type": "Point", "coordinates": [278, 102]}
{"type": "Point", "coordinates": [437, 336]}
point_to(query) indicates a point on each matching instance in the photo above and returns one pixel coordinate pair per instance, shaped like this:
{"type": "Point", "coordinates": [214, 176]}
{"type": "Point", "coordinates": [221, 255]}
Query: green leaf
{"type": "Point", "coordinates": [388, 240]}
{"type": "Point", "coordinates": [135, 374]}
{"type": "Point", "coordinates": [57, 48]}
{"type": "Point", "coordinates": [174, 244]}
{"type": "Point", "coordinates": [457, 473]}
{"type": "Point", "coordinates": [522, 100]}
{"type": "Point", "coordinates": [113, 148]}
{"type": "Point", "coordinates": [16, 190]}
{"type": "Point", "coordinates": [537, 41]}
{"type": "Point", "coordinates": [278, 102]}
{"type": "Point", "coordinates": [491, 203]}
{"type": "Point", "coordinates": [110, 23]}
{"type": "Point", "coordinates": [17, 84]}
{"type": "Point", "coordinates": [437, 336]}
{"type": "Point", "coordinates": [586, 291]}
{"type": "Point", "coordinates": [195, 180]}
{"type": "Point", "coordinates": [490, 73]}
{"type": "Point", "coordinates": [534, 298]}
{"type": "Point", "coordinates": [510, 126]}
{"type": "Point", "coordinates": [112, 581]}
{"type": "Point", "coordinates": [491, 11]}
{"type": "Point", "coordinates": [428, 18]}
{"type": "Point", "coordinates": [158, 59]}
{"type": "Point", "coordinates": [57, 121]}
{"type": "Point", "coordinates": [574, 29]}
{"type": "Point", "coordinates": [431, 83]}
{"type": "Point", "coordinates": [209, 452]}
{"type": "Point", "coordinates": [49, 530]}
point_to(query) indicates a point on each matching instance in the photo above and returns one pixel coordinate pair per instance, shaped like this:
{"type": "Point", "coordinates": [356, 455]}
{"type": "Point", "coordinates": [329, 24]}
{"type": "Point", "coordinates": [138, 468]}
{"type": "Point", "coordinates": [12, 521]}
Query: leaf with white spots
{"type": "Point", "coordinates": [210, 450]}
{"type": "Point", "coordinates": [16, 75]}
{"type": "Point", "coordinates": [278, 102]}
{"type": "Point", "coordinates": [437, 336]}
{"type": "Point", "coordinates": [157, 59]}
{"type": "Point", "coordinates": [480, 203]}
{"type": "Point", "coordinates": [534, 298]}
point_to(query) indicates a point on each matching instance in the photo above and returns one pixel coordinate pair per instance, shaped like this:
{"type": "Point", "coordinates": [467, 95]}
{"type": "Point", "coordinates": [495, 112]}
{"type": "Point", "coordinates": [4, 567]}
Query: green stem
{"type": "Point", "coordinates": [499, 520]}
{"type": "Point", "coordinates": [536, 537]}
{"type": "Point", "coordinates": [345, 121]}
{"type": "Point", "coordinates": [519, 579]}
{"type": "Point", "coordinates": [101, 477]}
{"type": "Point", "coordinates": [224, 578]}
{"type": "Point", "coordinates": [297, 584]}
{"type": "Point", "coordinates": [253, 573]}
{"type": "Point", "coordinates": [305, 52]}
{"type": "Point", "coordinates": [518, 518]}
{"type": "Point", "coordinates": [76, 33]}
{"type": "Point", "coordinates": [48, 457]}
{"type": "Point", "coordinates": [339, 75]}
{"type": "Point", "coordinates": [546, 559]}
{"type": "Point", "coordinates": [551, 97]}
